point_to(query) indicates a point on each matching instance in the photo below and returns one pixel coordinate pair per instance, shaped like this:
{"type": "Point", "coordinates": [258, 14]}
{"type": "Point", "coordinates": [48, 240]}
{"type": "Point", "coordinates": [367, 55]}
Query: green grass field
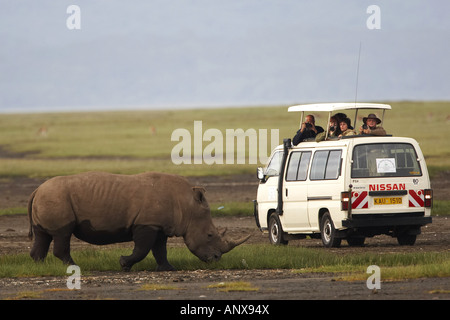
{"type": "Point", "coordinates": [302, 260]}
{"type": "Point", "coordinates": [135, 141]}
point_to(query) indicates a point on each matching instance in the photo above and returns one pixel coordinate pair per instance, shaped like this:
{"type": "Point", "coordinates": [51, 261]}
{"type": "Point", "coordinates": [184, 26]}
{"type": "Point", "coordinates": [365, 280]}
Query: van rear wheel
{"type": "Point", "coordinates": [276, 230]}
{"type": "Point", "coordinates": [328, 232]}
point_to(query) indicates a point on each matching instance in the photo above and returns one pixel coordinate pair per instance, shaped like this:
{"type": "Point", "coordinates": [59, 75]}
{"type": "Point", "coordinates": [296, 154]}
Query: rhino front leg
{"type": "Point", "coordinates": [160, 253]}
{"type": "Point", "coordinates": [144, 238]}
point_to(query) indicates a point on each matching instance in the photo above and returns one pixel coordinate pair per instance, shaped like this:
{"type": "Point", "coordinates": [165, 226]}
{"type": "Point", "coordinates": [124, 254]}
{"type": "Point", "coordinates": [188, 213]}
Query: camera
{"type": "Point", "coordinates": [365, 126]}
{"type": "Point", "coordinates": [308, 125]}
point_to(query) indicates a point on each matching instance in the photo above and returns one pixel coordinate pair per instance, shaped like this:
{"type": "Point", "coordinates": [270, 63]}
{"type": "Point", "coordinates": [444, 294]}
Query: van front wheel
{"type": "Point", "coordinates": [328, 233]}
{"type": "Point", "coordinates": [276, 230]}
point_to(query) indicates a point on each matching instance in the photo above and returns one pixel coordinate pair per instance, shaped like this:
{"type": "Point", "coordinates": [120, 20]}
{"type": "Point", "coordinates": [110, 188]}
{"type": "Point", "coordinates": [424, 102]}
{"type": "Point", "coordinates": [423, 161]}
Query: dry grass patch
{"type": "Point", "coordinates": [233, 286]}
{"type": "Point", "coordinates": [26, 295]}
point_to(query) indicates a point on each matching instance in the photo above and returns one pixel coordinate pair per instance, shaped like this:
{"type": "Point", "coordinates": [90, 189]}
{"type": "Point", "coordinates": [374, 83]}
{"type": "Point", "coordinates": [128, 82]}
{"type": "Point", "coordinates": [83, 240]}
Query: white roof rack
{"type": "Point", "coordinates": [330, 107]}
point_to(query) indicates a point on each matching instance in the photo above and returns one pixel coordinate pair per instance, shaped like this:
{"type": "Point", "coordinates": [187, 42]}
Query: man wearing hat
{"type": "Point", "coordinates": [370, 126]}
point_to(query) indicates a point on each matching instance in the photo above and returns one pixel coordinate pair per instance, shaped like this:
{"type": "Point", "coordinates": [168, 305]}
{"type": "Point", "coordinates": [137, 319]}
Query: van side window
{"type": "Point", "coordinates": [303, 168]}
{"type": "Point", "coordinates": [326, 165]}
{"type": "Point", "coordinates": [333, 165]}
{"type": "Point", "coordinates": [298, 166]}
{"type": "Point", "coordinates": [292, 168]}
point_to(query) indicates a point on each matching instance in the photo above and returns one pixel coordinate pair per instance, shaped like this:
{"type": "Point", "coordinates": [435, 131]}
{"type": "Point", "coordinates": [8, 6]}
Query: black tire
{"type": "Point", "coordinates": [328, 232]}
{"type": "Point", "coordinates": [406, 239]}
{"type": "Point", "coordinates": [276, 230]}
{"type": "Point", "coordinates": [356, 241]}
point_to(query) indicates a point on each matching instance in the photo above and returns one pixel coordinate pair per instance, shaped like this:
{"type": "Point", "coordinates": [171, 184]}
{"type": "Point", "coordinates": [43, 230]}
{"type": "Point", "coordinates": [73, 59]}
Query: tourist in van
{"type": "Point", "coordinates": [307, 130]}
{"type": "Point", "coordinates": [339, 117]}
{"type": "Point", "coordinates": [333, 129]}
{"type": "Point", "coordinates": [371, 127]}
{"type": "Point", "coordinates": [344, 125]}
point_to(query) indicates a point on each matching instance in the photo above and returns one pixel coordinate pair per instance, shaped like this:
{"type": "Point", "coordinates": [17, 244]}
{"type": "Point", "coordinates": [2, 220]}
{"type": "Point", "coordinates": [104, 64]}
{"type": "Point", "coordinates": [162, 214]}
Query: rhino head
{"type": "Point", "coordinates": [202, 238]}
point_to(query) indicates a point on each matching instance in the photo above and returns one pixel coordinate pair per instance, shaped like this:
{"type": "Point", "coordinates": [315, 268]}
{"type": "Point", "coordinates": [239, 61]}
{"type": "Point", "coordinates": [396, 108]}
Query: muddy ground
{"type": "Point", "coordinates": [194, 285]}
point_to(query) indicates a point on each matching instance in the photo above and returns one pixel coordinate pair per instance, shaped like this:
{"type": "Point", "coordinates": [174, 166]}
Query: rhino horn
{"type": "Point", "coordinates": [229, 245]}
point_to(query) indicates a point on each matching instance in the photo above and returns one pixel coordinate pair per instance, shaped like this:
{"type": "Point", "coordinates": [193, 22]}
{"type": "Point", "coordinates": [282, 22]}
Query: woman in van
{"type": "Point", "coordinates": [344, 126]}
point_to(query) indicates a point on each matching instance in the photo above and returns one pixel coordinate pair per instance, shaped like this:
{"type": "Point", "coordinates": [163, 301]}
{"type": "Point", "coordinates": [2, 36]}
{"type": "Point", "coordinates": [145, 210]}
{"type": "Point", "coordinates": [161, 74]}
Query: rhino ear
{"type": "Point", "coordinates": [199, 194]}
{"type": "Point", "coordinates": [222, 231]}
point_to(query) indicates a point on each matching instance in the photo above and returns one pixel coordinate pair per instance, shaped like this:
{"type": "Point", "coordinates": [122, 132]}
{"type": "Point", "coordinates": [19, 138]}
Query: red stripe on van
{"type": "Point", "coordinates": [359, 199]}
{"type": "Point", "coordinates": [416, 198]}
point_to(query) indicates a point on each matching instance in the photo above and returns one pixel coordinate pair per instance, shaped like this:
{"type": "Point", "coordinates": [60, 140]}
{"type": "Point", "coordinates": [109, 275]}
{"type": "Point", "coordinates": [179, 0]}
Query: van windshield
{"type": "Point", "coordinates": [385, 160]}
{"type": "Point", "coordinates": [273, 169]}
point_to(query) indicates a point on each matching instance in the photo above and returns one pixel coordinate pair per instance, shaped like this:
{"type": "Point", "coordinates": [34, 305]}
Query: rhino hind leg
{"type": "Point", "coordinates": [61, 248]}
{"type": "Point", "coordinates": [41, 244]}
{"type": "Point", "coordinates": [144, 238]}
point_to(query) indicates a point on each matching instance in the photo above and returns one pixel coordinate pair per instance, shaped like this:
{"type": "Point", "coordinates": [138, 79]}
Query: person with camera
{"type": "Point", "coordinates": [371, 127]}
{"type": "Point", "coordinates": [333, 130]}
{"type": "Point", "coordinates": [307, 130]}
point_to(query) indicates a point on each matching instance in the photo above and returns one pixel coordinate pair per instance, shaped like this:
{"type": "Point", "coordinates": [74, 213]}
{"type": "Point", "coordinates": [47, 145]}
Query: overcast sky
{"type": "Point", "coordinates": [184, 53]}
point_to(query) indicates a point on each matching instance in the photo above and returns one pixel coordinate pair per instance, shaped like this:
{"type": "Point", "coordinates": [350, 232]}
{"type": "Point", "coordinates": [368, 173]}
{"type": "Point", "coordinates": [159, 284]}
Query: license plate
{"type": "Point", "coordinates": [380, 201]}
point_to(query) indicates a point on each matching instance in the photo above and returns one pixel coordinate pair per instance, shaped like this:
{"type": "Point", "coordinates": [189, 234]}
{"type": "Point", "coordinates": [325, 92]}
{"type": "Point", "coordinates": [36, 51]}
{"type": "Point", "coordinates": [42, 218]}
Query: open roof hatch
{"type": "Point", "coordinates": [333, 107]}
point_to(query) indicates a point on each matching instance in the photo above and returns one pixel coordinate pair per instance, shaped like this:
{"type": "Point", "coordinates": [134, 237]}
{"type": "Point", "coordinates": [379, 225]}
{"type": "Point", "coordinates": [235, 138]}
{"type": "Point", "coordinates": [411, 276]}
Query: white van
{"type": "Point", "coordinates": [349, 188]}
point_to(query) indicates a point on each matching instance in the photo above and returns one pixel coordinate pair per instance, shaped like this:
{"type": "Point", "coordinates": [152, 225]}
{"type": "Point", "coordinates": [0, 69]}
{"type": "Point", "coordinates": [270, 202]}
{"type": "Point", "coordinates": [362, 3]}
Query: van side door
{"type": "Point", "coordinates": [325, 180]}
{"type": "Point", "coordinates": [295, 214]}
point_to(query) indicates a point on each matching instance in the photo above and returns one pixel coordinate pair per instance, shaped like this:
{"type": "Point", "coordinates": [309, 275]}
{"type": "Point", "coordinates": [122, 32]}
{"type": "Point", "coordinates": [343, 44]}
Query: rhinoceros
{"type": "Point", "coordinates": [104, 208]}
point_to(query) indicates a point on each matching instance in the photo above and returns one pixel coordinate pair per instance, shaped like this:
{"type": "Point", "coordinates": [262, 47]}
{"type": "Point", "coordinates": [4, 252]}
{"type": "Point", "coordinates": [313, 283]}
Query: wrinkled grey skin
{"type": "Point", "coordinates": [102, 208]}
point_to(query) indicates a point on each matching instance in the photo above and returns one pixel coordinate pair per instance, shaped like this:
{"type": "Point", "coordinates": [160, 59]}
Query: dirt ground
{"type": "Point", "coordinates": [194, 285]}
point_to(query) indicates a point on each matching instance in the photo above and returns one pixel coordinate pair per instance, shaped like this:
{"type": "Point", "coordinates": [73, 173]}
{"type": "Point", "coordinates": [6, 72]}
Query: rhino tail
{"type": "Point", "coordinates": [30, 209]}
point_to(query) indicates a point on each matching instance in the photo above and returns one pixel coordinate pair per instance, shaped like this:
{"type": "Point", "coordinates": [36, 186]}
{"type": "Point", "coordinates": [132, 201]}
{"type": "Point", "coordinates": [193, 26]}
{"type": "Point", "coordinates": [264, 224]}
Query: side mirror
{"type": "Point", "coordinates": [260, 173]}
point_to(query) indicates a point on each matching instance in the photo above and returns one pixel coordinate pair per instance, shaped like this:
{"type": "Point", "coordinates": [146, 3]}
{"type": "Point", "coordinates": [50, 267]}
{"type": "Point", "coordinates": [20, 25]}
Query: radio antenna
{"type": "Point", "coordinates": [357, 81]}
{"type": "Point", "coordinates": [357, 73]}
